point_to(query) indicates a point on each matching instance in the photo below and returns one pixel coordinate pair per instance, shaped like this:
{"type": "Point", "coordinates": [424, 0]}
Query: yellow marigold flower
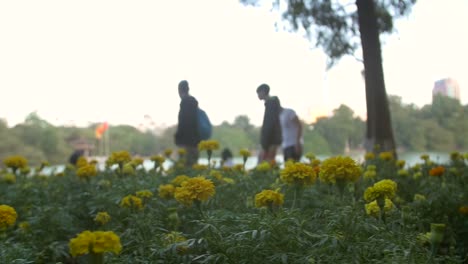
{"type": "Point", "coordinates": [437, 171]}
{"type": "Point", "coordinates": [264, 166]}
{"type": "Point", "coordinates": [417, 175]}
{"type": "Point", "coordinates": [373, 208]}
{"type": "Point", "coordinates": [86, 172]}
{"type": "Point", "coordinates": [81, 162]}
{"type": "Point", "coordinates": [167, 152]}
{"type": "Point", "coordinates": [381, 189]}
{"type": "Point", "coordinates": [42, 177]}
{"type": "Point", "coordinates": [463, 210]}
{"type": "Point", "coordinates": [81, 244]}
{"type": "Point", "coordinates": [208, 145]}
{"type": "Point", "coordinates": [173, 237]}
{"type": "Point", "coordinates": [128, 169]}
{"type": "Point", "coordinates": [400, 163]}
{"type": "Point", "coordinates": [15, 162]}
{"type": "Point", "coordinates": [437, 232]}
{"type": "Point", "coordinates": [227, 168]}
{"type": "Point", "coordinates": [177, 181]}
{"type": "Point", "coordinates": [166, 191]}
{"type": "Point", "coordinates": [386, 155]}
{"type": "Point", "coordinates": [455, 156]}
{"type": "Point", "coordinates": [238, 167]}
{"type": "Point", "coordinates": [9, 178]}
{"type": "Point", "coordinates": [95, 242]}
{"type": "Point", "coordinates": [339, 168]}
{"type": "Point", "coordinates": [25, 170]}
{"type": "Point", "coordinates": [371, 167]}
{"type": "Point", "coordinates": [182, 152]}
{"type": "Point", "coordinates": [369, 156]}
{"type": "Point", "coordinates": [69, 167]}
{"type": "Point", "coordinates": [455, 171]}
{"type": "Point", "coordinates": [245, 153]}
{"type": "Point", "coordinates": [298, 173]}
{"type": "Point", "coordinates": [424, 238]}
{"type": "Point", "coordinates": [316, 162]}
{"type": "Point", "coordinates": [370, 174]}
{"type": "Point", "coordinates": [424, 157]}
{"type": "Point", "coordinates": [216, 174]}
{"type": "Point", "coordinates": [7, 216]}
{"type": "Point", "coordinates": [137, 162]}
{"type": "Point", "coordinates": [158, 160]}
{"type": "Point", "coordinates": [419, 197]}
{"type": "Point", "coordinates": [199, 167]}
{"type": "Point", "coordinates": [144, 194]}
{"type": "Point", "coordinates": [102, 218]}
{"type": "Point", "coordinates": [310, 156]}
{"type": "Point", "coordinates": [403, 172]}
{"type": "Point", "coordinates": [194, 189]}
{"type": "Point", "coordinates": [106, 242]}
{"type": "Point", "coordinates": [268, 198]}
{"type": "Point", "coordinates": [104, 183]}
{"type": "Point", "coordinates": [228, 180]}
{"type": "Point", "coordinates": [24, 226]}
{"type": "Point", "coordinates": [120, 157]}
{"type": "Point", "coordinates": [131, 201]}
{"type": "Point", "coordinates": [416, 167]}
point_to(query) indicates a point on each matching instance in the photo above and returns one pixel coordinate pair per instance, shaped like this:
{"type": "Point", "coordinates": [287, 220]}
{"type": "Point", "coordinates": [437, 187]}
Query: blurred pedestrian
{"type": "Point", "coordinates": [270, 137]}
{"type": "Point", "coordinates": [187, 135]}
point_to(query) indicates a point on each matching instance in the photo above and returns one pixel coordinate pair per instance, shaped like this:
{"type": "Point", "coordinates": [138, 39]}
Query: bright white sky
{"type": "Point", "coordinates": [76, 62]}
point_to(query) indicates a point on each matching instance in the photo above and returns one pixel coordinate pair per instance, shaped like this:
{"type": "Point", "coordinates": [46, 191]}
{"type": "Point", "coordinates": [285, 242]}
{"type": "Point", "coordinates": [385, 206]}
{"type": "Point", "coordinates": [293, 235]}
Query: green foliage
{"type": "Point", "coordinates": [321, 227]}
{"type": "Point", "coordinates": [441, 126]}
{"type": "Point", "coordinates": [314, 142]}
{"type": "Point", "coordinates": [333, 25]}
{"type": "Point", "coordinates": [341, 129]}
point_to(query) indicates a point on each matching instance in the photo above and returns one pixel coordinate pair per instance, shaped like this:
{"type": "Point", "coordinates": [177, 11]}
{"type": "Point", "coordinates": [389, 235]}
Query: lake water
{"type": "Point", "coordinates": [411, 159]}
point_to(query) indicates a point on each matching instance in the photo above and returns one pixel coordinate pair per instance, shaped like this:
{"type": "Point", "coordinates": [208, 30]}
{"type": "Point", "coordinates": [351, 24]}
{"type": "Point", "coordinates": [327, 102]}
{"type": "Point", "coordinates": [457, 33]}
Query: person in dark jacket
{"type": "Point", "coordinates": [75, 156]}
{"type": "Point", "coordinates": [187, 135]}
{"type": "Point", "coordinates": [270, 137]}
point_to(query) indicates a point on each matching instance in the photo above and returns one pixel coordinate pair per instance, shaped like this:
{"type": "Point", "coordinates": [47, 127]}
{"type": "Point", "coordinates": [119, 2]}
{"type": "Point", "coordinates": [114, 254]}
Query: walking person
{"type": "Point", "coordinates": [187, 135]}
{"type": "Point", "coordinates": [291, 131]}
{"type": "Point", "coordinates": [270, 136]}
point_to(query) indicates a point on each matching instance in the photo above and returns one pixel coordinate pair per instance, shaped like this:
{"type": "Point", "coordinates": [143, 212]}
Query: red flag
{"type": "Point", "coordinates": [101, 129]}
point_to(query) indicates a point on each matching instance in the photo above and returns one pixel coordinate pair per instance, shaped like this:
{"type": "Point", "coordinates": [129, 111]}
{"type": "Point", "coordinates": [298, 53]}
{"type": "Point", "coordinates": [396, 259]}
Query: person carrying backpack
{"type": "Point", "coordinates": [187, 135]}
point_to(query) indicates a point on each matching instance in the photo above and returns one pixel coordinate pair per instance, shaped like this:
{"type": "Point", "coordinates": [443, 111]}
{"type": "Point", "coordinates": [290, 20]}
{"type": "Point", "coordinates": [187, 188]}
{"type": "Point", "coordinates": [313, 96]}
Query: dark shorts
{"type": "Point", "coordinates": [290, 153]}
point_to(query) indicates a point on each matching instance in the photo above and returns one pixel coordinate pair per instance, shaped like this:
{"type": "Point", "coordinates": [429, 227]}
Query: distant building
{"type": "Point", "coordinates": [81, 143]}
{"type": "Point", "coordinates": [447, 87]}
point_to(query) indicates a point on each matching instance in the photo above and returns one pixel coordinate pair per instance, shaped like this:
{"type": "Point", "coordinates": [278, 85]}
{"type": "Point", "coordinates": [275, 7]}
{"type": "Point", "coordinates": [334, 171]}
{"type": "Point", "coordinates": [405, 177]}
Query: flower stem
{"type": "Point", "coordinates": [96, 258]}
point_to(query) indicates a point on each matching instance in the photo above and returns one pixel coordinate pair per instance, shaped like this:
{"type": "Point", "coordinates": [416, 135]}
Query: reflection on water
{"type": "Point", "coordinates": [411, 159]}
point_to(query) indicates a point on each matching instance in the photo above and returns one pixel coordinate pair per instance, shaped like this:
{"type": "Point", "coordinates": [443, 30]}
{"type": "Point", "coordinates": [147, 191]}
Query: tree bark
{"type": "Point", "coordinates": [379, 134]}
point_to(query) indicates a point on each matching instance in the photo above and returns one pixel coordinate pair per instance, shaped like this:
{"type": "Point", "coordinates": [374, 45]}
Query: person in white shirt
{"type": "Point", "coordinates": [291, 130]}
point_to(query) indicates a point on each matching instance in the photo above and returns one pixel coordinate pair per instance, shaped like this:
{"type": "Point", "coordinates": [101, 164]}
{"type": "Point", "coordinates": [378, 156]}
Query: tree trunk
{"type": "Point", "coordinates": [379, 134]}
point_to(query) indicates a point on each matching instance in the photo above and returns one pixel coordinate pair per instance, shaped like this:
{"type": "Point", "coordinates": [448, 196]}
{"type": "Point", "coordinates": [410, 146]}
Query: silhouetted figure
{"type": "Point", "coordinates": [187, 135]}
{"type": "Point", "coordinates": [226, 158]}
{"type": "Point", "coordinates": [75, 156]}
{"type": "Point", "coordinates": [270, 137]}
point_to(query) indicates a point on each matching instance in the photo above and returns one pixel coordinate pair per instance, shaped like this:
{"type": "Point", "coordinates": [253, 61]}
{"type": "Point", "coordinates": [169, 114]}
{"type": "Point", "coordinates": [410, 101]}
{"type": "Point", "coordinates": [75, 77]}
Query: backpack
{"type": "Point", "coordinates": [204, 125]}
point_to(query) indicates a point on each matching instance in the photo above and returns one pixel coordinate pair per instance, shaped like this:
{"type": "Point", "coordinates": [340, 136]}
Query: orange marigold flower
{"type": "Point", "coordinates": [463, 210]}
{"type": "Point", "coordinates": [437, 171]}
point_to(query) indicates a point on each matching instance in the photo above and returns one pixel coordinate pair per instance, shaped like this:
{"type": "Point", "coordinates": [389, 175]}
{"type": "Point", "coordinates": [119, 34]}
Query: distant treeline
{"type": "Point", "coordinates": [441, 126]}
